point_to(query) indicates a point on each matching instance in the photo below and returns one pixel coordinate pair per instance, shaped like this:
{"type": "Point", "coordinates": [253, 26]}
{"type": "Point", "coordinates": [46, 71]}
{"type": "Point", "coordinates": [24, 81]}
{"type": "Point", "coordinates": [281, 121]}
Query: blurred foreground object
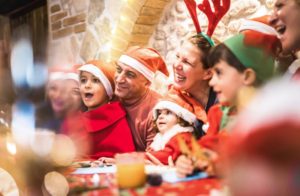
{"type": "Point", "coordinates": [263, 154]}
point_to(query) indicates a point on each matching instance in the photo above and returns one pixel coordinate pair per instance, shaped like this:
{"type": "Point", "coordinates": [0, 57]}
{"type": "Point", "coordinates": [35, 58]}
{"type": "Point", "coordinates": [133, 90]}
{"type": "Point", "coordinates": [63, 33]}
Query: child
{"type": "Point", "coordinates": [244, 61]}
{"type": "Point", "coordinates": [105, 120]}
{"type": "Point", "coordinates": [172, 120]}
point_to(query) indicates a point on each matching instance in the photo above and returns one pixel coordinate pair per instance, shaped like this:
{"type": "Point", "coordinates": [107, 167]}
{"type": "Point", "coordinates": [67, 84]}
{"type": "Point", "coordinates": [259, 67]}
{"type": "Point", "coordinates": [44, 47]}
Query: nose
{"type": "Point", "coordinates": [177, 65]}
{"type": "Point", "coordinates": [273, 18]}
{"type": "Point", "coordinates": [212, 81]}
{"type": "Point", "coordinates": [119, 77]}
{"type": "Point", "coordinates": [87, 84]}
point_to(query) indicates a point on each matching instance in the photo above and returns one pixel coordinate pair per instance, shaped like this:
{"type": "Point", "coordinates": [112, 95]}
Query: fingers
{"type": "Point", "coordinates": [170, 161]}
{"type": "Point", "coordinates": [184, 166]}
{"type": "Point", "coordinates": [104, 161]}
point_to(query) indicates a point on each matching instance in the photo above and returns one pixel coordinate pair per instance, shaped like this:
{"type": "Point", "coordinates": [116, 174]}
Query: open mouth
{"type": "Point", "coordinates": [179, 78]}
{"type": "Point", "coordinates": [88, 95]}
{"type": "Point", "coordinates": [281, 29]}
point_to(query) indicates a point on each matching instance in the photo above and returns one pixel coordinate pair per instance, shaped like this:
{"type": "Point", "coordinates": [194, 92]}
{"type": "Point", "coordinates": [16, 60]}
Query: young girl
{"type": "Point", "coordinates": [172, 120]}
{"type": "Point", "coordinates": [105, 120]}
{"type": "Point", "coordinates": [244, 61]}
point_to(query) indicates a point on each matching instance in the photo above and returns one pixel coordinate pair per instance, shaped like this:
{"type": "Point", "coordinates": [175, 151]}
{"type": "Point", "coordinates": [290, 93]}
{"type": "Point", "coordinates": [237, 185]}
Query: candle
{"type": "Point", "coordinates": [96, 180]}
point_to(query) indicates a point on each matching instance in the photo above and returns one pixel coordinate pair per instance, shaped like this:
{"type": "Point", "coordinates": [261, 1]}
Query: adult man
{"type": "Point", "coordinates": [134, 73]}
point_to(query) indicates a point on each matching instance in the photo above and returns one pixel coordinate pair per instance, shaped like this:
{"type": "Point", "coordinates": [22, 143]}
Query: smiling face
{"type": "Point", "coordinates": [286, 20]}
{"type": "Point", "coordinates": [57, 97]}
{"type": "Point", "coordinates": [130, 84]}
{"type": "Point", "coordinates": [72, 89]}
{"type": "Point", "coordinates": [226, 82]}
{"type": "Point", "coordinates": [92, 91]}
{"type": "Point", "coordinates": [165, 120]}
{"type": "Point", "coordinates": [188, 68]}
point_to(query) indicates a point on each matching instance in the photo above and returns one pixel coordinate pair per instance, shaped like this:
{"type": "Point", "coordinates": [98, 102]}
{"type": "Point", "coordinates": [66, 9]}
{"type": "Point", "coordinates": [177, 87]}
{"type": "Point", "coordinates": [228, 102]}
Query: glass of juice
{"type": "Point", "coordinates": [130, 170]}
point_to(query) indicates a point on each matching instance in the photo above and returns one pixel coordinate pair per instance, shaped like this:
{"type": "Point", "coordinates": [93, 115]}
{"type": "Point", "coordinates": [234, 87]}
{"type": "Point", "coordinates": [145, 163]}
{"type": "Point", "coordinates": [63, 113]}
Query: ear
{"type": "Point", "coordinates": [249, 77]}
{"type": "Point", "coordinates": [207, 74]}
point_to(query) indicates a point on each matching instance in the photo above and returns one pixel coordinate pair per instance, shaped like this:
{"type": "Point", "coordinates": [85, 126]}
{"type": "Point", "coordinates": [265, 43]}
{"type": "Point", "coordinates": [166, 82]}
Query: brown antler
{"type": "Point", "coordinates": [213, 16]}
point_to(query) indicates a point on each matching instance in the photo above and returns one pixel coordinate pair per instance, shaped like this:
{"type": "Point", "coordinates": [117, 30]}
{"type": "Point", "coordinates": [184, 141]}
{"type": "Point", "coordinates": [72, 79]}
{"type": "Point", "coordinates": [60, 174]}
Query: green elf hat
{"type": "Point", "coordinates": [256, 46]}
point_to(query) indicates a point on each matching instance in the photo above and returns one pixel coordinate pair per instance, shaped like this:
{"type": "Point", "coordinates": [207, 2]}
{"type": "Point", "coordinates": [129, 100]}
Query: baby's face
{"type": "Point", "coordinates": [165, 120]}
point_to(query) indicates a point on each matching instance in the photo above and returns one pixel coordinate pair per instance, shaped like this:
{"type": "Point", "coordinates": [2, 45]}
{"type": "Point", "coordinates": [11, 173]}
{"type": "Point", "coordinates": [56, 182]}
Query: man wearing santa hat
{"type": "Point", "coordinates": [134, 73]}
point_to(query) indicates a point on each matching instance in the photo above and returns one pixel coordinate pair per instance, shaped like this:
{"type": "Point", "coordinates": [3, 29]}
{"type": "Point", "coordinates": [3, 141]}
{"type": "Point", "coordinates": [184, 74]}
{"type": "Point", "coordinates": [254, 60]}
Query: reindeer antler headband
{"type": "Point", "coordinates": [213, 16]}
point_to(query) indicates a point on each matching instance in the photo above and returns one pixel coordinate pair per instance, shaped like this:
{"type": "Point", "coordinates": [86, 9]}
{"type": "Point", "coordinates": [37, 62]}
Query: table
{"type": "Point", "coordinates": [196, 187]}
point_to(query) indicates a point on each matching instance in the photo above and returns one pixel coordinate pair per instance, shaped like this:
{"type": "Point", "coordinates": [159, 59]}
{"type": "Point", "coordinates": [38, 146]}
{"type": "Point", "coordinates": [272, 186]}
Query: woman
{"type": "Point", "coordinates": [191, 77]}
{"type": "Point", "coordinates": [285, 19]}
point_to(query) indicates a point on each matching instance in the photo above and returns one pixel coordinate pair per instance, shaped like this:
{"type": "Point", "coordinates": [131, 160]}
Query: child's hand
{"type": "Point", "coordinates": [184, 166]}
{"type": "Point", "coordinates": [208, 165]}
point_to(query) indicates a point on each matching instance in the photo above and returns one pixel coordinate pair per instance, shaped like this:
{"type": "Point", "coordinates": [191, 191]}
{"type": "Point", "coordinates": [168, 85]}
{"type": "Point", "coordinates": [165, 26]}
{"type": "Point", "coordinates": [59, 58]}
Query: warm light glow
{"type": "Point", "coordinates": [11, 147]}
{"type": "Point", "coordinates": [96, 179]}
{"type": "Point", "coordinates": [123, 18]}
{"type": "Point", "coordinates": [63, 150]}
{"type": "Point", "coordinates": [106, 47]}
{"type": "Point", "coordinates": [56, 184]}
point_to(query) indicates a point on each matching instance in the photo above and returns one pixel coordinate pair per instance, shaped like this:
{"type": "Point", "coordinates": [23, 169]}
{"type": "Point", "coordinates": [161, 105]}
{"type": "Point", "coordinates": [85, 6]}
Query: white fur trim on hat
{"type": "Point", "coordinates": [138, 66]}
{"type": "Point", "coordinates": [177, 109]}
{"type": "Point", "coordinates": [257, 26]}
{"type": "Point", "coordinates": [72, 76]}
{"type": "Point", "coordinates": [56, 76]}
{"type": "Point", "coordinates": [100, 75]}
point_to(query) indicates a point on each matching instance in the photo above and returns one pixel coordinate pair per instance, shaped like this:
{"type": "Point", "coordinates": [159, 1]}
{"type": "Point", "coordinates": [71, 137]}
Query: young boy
{"type": "Point", "coordinates": [172, 119]}
{"type": "Point", "coordinates": [244, 61]}
{"type": "Point", "coordinates": [105, 119]}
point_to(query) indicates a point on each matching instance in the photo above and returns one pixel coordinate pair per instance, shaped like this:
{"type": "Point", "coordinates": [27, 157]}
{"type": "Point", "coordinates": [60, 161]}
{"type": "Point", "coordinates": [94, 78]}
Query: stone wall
{"type": "Point", "coordinates": [81, 30]}
{"type": "Point", "coordinates": [176, 25]}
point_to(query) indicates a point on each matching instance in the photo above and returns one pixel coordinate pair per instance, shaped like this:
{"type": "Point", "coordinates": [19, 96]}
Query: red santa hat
{"type": "Point", "coordinates": [63, 73]}
{"type": "Point", "coordinates": [274, 126]}
{"type": "Point", "coordinates": [145, 60]}
{"type": "Point", "coordinates": [104, 72]}
{"type": "Point", "coordinates": [259, 24]}
{"type": "Point", "coordinates": [176, 105]}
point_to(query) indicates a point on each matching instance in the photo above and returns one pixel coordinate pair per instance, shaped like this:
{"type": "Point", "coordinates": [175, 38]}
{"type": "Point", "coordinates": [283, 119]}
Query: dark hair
{"type": "Point", "coordinates": [180, 121]}
{"type": "Point", "coordinates": [203, 45]}
{"type": "Point", "coordinates": [221, 52]}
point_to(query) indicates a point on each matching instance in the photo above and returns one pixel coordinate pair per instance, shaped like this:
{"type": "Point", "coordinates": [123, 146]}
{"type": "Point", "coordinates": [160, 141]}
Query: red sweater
{"type": "Point", "coordinates": [109, 131]}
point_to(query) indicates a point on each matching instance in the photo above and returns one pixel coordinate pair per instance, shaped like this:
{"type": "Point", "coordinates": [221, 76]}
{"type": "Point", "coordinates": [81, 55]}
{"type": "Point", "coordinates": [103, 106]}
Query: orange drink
{"type": "Point", "coordinates": [130, 170]}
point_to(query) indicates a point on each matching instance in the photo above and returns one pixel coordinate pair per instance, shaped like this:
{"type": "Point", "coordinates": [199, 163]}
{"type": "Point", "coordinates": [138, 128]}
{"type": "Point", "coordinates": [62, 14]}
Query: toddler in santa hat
{"type": "Point", "coordinates": [105, 119]}
{"type": "Point", "coordinates": [239, 65]}
{"type": "Point", "coordinates": [173, 118]}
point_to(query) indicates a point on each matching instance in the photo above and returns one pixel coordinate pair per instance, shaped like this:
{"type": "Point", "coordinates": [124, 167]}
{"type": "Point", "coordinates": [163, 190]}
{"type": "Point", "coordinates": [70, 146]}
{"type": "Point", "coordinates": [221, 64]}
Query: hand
{"type": "Point", "coordinates": [103, 161]}
{"type": "Point", "coordinates": [184, 166]}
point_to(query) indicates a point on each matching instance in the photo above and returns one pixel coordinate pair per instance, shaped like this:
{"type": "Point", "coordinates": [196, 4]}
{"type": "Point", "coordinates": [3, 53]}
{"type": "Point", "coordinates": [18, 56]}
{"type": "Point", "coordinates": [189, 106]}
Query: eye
{"type": "Point", "coordinates": [96, 80]}
{"type": "Point", "coordinates": [118, 69]}
{"type": "Point", "coordinates": [130, 74]}
{"type": "Point", "coordinates": [218, 71]}
{"type": "Point", "coordinates": [168, 112]}
{"type": "Point", "coordinates": [82, 80]}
